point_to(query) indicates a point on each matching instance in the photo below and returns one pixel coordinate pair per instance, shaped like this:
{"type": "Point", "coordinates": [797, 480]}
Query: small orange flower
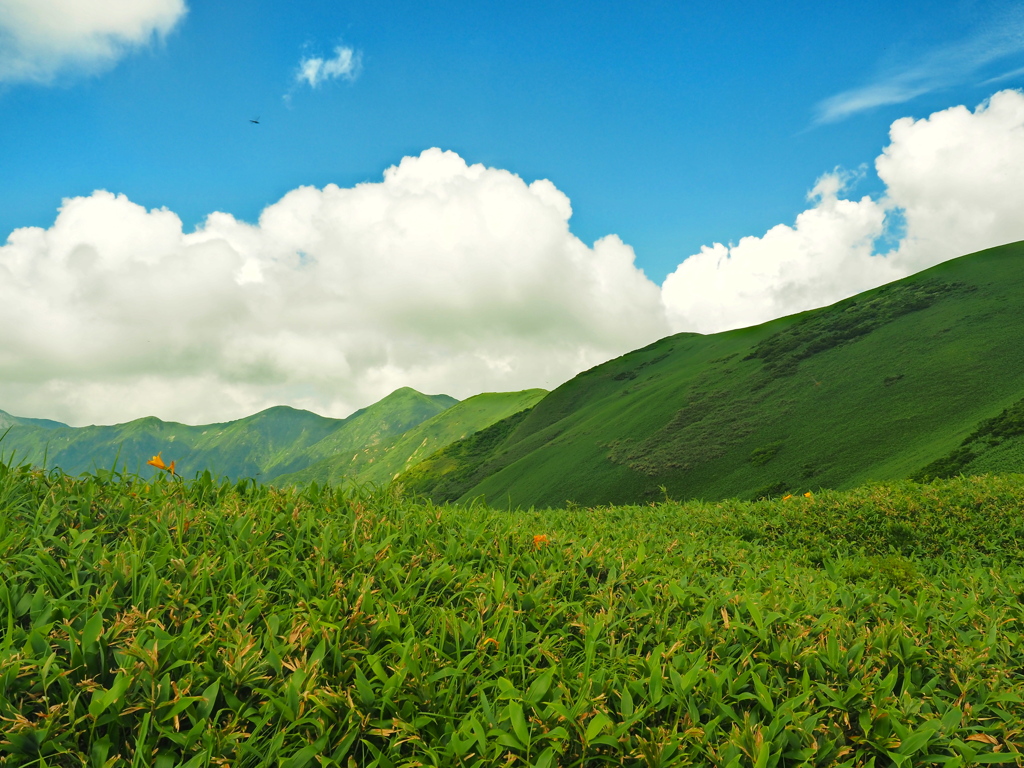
{"type": "Point", "coordinates": [808, 495]}
{"type": "Point", "coordinates": [787, 496]}
{"type": "Point", "coordinates": [539, 541]}
{"type": "Point", "coordinates": [158, 462]}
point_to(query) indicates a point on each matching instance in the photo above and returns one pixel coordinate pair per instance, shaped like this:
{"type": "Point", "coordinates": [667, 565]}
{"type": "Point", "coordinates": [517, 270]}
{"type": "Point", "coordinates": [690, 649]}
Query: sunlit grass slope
{"type": "Point", "coordinates": [168, 623]}
{"type": "Point", "coordinates": [264, 445]}
{"type": "Point", "coordinates": [876, 387]}
{"type": "Point", "coordinates": [379, 424]}
{"type": "Point", "coordinates": [379, 462]}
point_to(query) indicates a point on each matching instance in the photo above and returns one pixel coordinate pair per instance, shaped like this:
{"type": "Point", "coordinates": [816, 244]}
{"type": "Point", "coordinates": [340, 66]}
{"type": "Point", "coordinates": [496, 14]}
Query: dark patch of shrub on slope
{"type": "Point", "coordinates": [818, 332]}
{"type": "Point", "coordinates": [990, 433]}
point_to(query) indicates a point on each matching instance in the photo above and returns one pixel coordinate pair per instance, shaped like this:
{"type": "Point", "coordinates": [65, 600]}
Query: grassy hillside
{"type": "Point", "coordinates": [375, 426]}
{"type": "Point", "coordinates": [876, 387]}
{"type": "Point", "coordinates": [263, 446]}
{"type": "Point", "coordinates": [382, 461]}
{"type": "Point", "coordinates": [7, 420]}
{"type": "Point", "coordinates": [170, 623]}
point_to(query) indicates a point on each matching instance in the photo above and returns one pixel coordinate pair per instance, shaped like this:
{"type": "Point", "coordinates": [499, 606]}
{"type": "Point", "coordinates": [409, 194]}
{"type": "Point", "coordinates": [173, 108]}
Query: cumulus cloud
{"type": "Point", "coordinates": [824, 257]}
{"type": "Point", "coordinates": [42, 38]}
{"type": "Point", "coordinates": [443, 276]}
{"type": "Point", "coordinates": [315, 70]}
{"type": "Point", "coordinates": [953, 186]}
{"type": "Point", "coordinates": [447, 277]}
{"type": "Point", "coordinates": [956, 178]}
{"type": "Point", "coordinates": [948, 65]}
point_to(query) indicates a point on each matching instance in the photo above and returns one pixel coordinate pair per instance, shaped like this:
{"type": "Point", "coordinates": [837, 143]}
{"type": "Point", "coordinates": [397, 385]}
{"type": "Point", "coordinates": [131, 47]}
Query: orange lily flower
{"type": "Point", "coordinates": [539, 541]}
{"type": "Point", "coordinates": [158, 462]}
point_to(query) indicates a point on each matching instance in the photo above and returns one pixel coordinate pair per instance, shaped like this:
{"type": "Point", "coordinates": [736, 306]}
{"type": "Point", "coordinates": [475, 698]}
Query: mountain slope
{"type": "Point", "coordinates": [338, 456]}
{"type": "Point", "coordinates": [263, 446]}
{"type": "Point", "coordinates": [381, 461]}
{"type": "Point", "coordinates": [7, 420]}
{"type": "Point", "coordinates": [875, 387]}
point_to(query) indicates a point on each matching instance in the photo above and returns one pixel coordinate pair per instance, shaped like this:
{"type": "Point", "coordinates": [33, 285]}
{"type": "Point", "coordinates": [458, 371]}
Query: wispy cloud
{"type": "Point", "coordinates": [315, 70]}
{"type": "Point", "coordinates": [939, 68]}
{"type": "Point", "coordinates": [1019, 72]}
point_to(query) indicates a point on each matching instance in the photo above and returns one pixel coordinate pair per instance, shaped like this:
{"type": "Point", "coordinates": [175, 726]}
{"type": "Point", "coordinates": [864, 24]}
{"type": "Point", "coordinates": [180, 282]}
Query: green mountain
{"type": "Point", "coordinates": [7, 420]}
{"type": "Point", "coordinates": [379, 424]}
{"type": "Point", "coordinates": [379, 461]}
{"type": "Point", "coordinates": [921, 377]}
{"type": "Point", "coordinates": [264, 446]}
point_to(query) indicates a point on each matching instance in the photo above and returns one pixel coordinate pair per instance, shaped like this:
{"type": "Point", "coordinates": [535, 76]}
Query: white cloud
{"type": "Point", "coordinates": [952, 64]}
{"type": "Point", "coordinates": [954, 185]}
{"type": "Point", "coordinates": [824, 257]}
{"type": "Point", "coordinates": [957, 177]}
{"type": "Point", "coordinates": [42, 38]}
{"type": "Point", "coordinates": [314, 70]}
{"type": "Point", "coordinates": [445, 276]}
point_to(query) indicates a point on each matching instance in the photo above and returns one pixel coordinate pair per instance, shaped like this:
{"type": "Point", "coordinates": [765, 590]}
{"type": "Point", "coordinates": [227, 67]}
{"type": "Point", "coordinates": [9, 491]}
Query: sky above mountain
{"type": "Point", "coordinates": [210, 208]}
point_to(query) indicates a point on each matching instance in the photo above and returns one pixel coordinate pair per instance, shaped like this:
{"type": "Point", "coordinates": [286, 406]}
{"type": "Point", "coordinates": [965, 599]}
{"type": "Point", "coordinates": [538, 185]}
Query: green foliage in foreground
{"type": "Point", "coordinates": [202, 623]}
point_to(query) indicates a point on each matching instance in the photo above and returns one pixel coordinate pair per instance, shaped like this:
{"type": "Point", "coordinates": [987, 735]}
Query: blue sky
{"type": "Point", "coordinates": [673, 127]}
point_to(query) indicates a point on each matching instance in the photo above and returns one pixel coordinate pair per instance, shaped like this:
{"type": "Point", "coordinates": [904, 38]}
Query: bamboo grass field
{"type": "Point", "coordinates": [195, 623]}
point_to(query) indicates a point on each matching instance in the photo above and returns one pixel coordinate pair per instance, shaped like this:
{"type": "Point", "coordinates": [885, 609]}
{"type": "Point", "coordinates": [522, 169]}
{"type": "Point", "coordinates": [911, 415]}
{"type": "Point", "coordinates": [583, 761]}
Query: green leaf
{"type": "Point", "coordinates": [917, 740]}
{"type": "Point", "coordinates": [99, 751]}
{"type": "Point", "coordinates": [546, 759]}
{"type": "Point", "coordinates": [209, 699]}
{"type": "Point", "coordinates": [538, 688]}
{"type": "Point", "coordinates": [91, 635]}
{"type": "Point", "coordinates": [626, 703]}
{"type": "Point", "coordinates": [515, 715]}
{"type": "Point", "coordinates": [764, 696]}
{"type": "Point", "coordinates": [763, 753]}
{"type": "Point", "coordinates": [366, 694]}
{"type": "Point", "coordinates": [509, 740]}
{"type": "Point", "coordinates": [597, 724]}
{"type": "Point", "coordinates": [305, 756]}
{"type": "Point", "coordinates": [755, 614]}
{"type": "Point", "coordinates": [102, 699]}
{"type": "Point", "coordinates": [998, 757]}
{"type": "Point", "coordinates": [951, 720]}
{"type": "Point", "coordinates": [508, 690]}
{"type": "Point", "coordinates": [656, 680]}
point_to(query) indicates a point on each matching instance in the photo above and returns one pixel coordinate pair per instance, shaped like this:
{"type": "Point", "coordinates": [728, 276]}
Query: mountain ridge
{"type": "Point", "coordinates": [280, 444]}
{"type": "Point", "coordinates": [261, 445]}
{"type": "Point", "coordinates": [874, 387]}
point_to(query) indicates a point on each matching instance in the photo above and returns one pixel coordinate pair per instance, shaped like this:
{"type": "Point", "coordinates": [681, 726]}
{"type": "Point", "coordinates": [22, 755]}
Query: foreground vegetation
{"type": "Point", "coordinates": [169, 623]}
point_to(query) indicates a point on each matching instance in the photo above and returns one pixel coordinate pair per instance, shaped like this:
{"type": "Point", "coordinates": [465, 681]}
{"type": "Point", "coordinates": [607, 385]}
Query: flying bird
{"type": "Point", "coordinates": [256, 121]}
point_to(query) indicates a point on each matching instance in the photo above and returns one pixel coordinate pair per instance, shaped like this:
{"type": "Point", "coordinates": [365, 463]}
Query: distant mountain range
{"type": "Point", "coordinates": [921, 377]}
{"type": "Point", "coordinates": [373, 444]}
